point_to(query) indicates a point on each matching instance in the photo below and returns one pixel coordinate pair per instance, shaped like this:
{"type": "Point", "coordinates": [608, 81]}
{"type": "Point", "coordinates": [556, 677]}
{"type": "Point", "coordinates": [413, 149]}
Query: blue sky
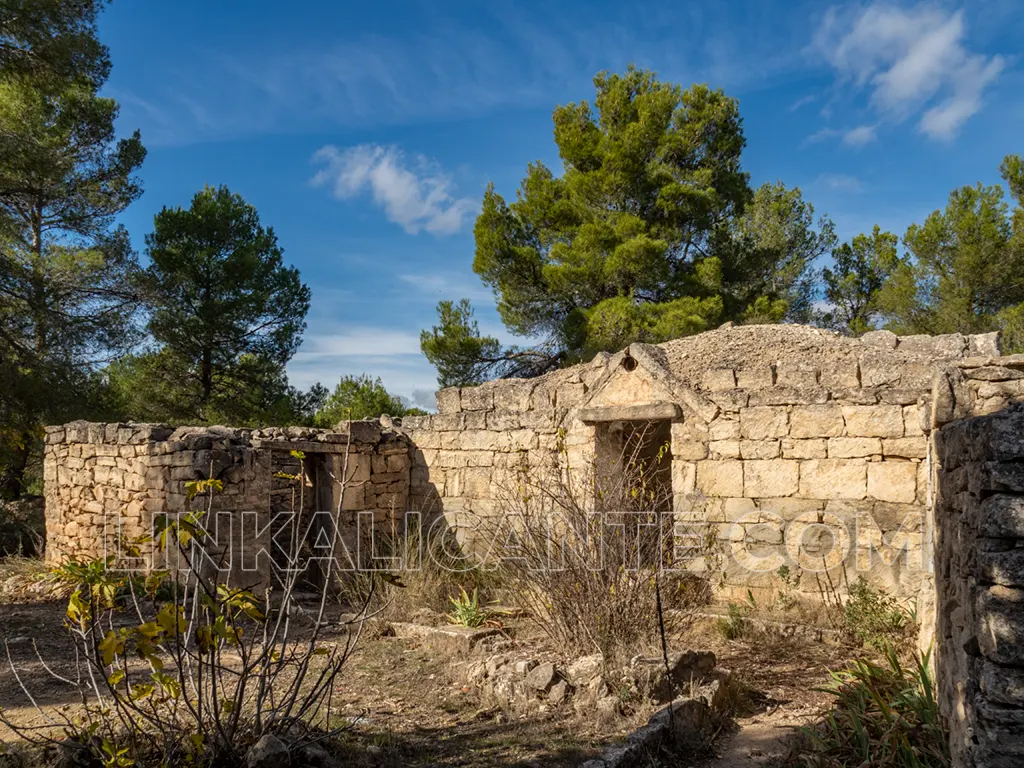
{"type": "Point", "coordinates": [366, 133]}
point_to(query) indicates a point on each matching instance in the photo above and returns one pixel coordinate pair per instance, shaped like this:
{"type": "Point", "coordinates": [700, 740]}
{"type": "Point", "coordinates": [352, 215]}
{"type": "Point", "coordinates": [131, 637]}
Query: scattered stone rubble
{"type": "Point", "coordinates": [587, 682]}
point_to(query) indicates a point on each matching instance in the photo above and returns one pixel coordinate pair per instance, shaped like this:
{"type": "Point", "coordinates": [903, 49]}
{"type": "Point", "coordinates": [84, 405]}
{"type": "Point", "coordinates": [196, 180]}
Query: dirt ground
{"type": "Point", "coordinates": [404, 705]}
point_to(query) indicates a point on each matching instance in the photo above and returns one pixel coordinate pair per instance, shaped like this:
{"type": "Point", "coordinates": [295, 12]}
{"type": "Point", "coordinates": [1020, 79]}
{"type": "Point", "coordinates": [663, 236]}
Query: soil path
{"type": "Point", "coordinates": [784, 681]}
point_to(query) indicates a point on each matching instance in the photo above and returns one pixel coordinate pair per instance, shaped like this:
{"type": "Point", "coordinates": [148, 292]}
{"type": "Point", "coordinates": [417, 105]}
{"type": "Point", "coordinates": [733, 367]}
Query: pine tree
{"type": "Point", "coordinates": [66, 273]}
{"type": "Point", "coordinates": [224, 308]}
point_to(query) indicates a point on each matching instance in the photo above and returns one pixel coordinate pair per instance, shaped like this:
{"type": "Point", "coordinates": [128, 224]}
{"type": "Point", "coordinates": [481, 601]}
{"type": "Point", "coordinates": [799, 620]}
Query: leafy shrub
{"type": "Point", "coordinates": [875, 618]}
{"type": "Point", "coordinates": [882, 715]}
{"type": "Point", "coordinates": [176, 667]}
{"type": "Point", "coordinates": [736, 623]}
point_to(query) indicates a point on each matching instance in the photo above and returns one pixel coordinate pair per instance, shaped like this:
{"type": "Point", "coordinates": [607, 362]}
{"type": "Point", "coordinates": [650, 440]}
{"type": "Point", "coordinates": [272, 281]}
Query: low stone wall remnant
{"type": "Point", "coordinates": [106, 483]}
{"type": "Point", "coordinates": [979, 570]}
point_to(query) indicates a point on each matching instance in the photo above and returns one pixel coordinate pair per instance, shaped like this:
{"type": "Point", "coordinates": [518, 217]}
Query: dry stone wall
{"type": "Point", "coordinates": [979, 573]}
{"type": "Point", "coordinates": [788, 440]}
{"type": "Point", "coordinates": [106, 483]}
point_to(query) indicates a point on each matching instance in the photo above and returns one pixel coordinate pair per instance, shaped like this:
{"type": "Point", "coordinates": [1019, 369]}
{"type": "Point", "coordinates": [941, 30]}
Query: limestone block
{"type": "Point", "coordinates": [426, 439]}
{"type": "Point", "coordinates": [522, 439]}
{"type": "Point", "coordinates": [796, 375]}
{"type": "Point", "coordinates": [873, 421]}
{"type": "Point", "coordinates": [791, 508]}
{"type": "Point", "coordinates": [729, 401]}
{"type": "Point", "coordinates": [357, 469]}
{"type": "Point", "coordinates": [856, 396]}
{"type": "Point", "coordinates": [689, 450]}
{"type": "Point", "coordinates": [724, 449]}
{"type": "Point", "coordinates": [537, 419]}
{"type": "Point", "coordinates": [479, 440]}
{"type": "Point", "coordinates": [737, 509]}
{"type": "Point", "coordinates": [854, 447]}
{"type": "Point", "coordinates": [915, 419]}
{"type": "Point", "coordinates": [803, 449]}
{"type": "Point", "coordinates": [718, 379]}
{"type": "Point", "coordinates": [833, 479]}
{"type": "Point", "coordinates": [398, 462]}
{"type": "Point", "coordinates": [878, 370]}
{"type": "Point", "coordinates": [905, 447]}
{"type": "Point", "coordinates": [684, 477]}
{"type": "Point", "coordinates": [449, 422]}
{"type": "Point", "coordinates": [513, 396]}
{"type": "Point", "coordinates": [449, 400]}
{"type": "Point", "coordinates": [944, 346]}
{"type": "Point", "coordinates": [183, 474]}
{"type": "Point", "coordinates": [984, 344]}
{"type": "Point", "coordinates": [840, 375]}
{"type": "Point", "coordinates": [504, 420]}
{"type": "Point", "coordinates": [353, 498]}
{"type": "Point", "coordinates": [893, 481]}
{"type": "Point", "coordinates": [759, 377]}
{"type": "Point", "coordinates": [812, 421]}
{"type": "Point", "coordinates": [413, 424]}
{"type": "Point", "coordinates": [1002, 516]}
{"type": "Point", "coordinates": [788, 396]}
{"type": "Point", "coordinates": [899, 396]}
{"type": "Point", "coordinates": [776, 477]}
{"type": "Point", "coordinates": [889, 516]}
{"type": "Point", "coordinates": [478, 458]}
{"type": "Point", "coordinates": [474, 420]}
{"type": "Point", "coordinates": [724, 429]}
{"type": "Point", "coordinates": [759, 449]}
{"type": "Point", "coordinates": [476, 483]}
{"type": "Point", "coordinates": [720, 478]}
{"type": "Point", "coordinates": [764, 422]}
{"type": "Point", "coordinates": [1000, 615]}
{"type": "Point", "coordinates": [883, 339]}
{"type": "Point", "coordinates": [917, 375]}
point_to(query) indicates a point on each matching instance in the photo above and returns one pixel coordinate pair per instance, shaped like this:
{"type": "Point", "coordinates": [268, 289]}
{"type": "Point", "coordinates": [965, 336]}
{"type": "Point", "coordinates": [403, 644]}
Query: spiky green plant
{"type": "Point", "coordinates": [883, 715]}
{"type": "Point", "coordinates": [466, 610]}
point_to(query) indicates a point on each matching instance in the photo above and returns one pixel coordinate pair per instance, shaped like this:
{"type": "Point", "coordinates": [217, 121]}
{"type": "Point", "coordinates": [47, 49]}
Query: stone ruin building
{"type": "Point", "coordinates": [903, 454]}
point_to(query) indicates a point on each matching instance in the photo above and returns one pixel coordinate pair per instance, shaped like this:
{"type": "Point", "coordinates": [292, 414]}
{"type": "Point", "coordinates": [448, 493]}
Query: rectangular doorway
{"type": "Point", "coordinates": [633, 489]}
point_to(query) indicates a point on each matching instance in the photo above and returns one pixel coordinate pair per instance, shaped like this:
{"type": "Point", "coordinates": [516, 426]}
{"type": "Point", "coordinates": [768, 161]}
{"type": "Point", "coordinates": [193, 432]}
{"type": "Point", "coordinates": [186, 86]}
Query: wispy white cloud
{"type": "Point", "coordinates": [437, 64]}
{"type": "Point", "coordinates": [359, 341]}
{"type": "Point", "coordinates": [337, 350]}
{"type": "Point", "coordinates": [914, 61]}
{"type": "Point", "coordinates": [859, 136]}
{"type": "Point", "coordinates": [416, 195]}
{"type": "Point", "coordinates": [853, 137]}
{"type": "Point", "coordinates": [840, 182]}
{"type": "Point", "coordinates": [803, 101]}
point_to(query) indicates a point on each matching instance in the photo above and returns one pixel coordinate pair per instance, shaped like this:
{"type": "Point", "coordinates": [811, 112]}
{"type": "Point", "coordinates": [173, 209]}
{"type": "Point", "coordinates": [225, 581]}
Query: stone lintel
{"type": "Point", "coordinates": [306, 446]}
{"type": "Point", "coordinates": [649, 412]}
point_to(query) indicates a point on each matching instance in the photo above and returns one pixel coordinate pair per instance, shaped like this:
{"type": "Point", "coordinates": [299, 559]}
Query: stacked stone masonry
{"type": "Point", "coordinates": [782, 435]}
{"type": "Point", "coordinates": [979, 569]}
{"type": "Point", "coordinates": [106, 483]}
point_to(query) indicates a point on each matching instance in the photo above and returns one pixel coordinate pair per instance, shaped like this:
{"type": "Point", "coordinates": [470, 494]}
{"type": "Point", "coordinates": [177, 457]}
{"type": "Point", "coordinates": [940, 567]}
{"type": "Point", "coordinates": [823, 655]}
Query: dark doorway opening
{"type": "Point", "coordinates": [633, 489]}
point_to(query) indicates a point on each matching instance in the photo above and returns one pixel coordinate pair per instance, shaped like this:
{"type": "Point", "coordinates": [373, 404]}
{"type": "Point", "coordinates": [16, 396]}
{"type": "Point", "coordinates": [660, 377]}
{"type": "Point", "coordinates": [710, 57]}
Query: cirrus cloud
{"type": "Point", "coordinates": [914, 61]}
{"type": "Point", "coordinates": [414, 192]}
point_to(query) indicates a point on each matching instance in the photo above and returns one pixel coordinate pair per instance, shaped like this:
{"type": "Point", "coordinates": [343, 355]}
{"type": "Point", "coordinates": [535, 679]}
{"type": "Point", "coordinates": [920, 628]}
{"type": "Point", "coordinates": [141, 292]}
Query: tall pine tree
{"type": "Point", "coordinates": [66, 274]}
{"type": "Point", "coordinates": [224, 308]}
